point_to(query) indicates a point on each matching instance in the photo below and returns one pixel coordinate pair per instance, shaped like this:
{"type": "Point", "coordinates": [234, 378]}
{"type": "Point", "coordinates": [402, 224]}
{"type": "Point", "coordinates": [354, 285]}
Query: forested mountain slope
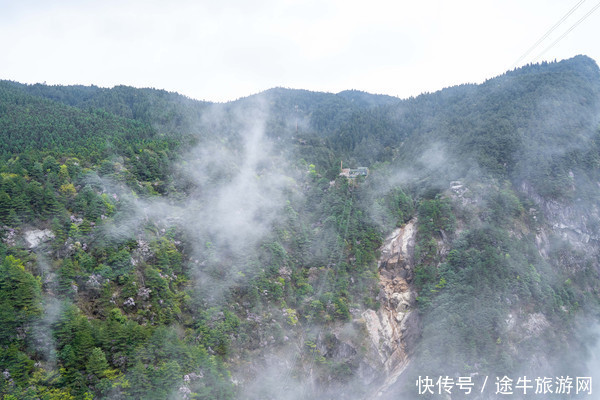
{"type": "Point", "coordinates": [154, 246]}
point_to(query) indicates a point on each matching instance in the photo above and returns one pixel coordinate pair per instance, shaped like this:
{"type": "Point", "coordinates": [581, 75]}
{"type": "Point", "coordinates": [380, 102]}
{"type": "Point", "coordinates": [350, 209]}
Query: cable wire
{"type": "Point", "coordinates": [540, 40]}
{"type": "Point", "coordinates": [568, 31]}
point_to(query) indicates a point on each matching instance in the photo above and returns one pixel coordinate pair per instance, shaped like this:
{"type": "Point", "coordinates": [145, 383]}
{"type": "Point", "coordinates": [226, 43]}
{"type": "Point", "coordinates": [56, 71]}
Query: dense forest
{"type": "Point", "coordinates": [157, 247]}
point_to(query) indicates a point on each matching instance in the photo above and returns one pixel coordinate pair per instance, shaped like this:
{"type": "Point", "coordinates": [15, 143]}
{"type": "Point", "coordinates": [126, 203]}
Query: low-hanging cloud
{"type": "Point", "coordinates": [241, 190]}
{"type": "Point", "coordinates": [236, 187]}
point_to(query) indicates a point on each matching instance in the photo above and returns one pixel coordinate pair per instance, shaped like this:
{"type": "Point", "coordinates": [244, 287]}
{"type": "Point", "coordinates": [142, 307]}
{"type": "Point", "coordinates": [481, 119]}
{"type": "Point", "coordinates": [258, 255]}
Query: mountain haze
{"type": "Point", "coordinates": [158, 247]}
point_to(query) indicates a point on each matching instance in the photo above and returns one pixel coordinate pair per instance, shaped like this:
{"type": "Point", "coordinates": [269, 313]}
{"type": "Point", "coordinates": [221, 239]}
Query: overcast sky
{"type": "Point", "coordinates": [220, 50]}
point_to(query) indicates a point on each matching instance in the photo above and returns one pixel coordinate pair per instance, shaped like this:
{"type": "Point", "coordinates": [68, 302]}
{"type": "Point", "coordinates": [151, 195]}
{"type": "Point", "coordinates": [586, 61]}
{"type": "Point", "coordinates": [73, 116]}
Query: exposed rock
{"type": "Point", "coordinates": [285, 272]}
{"type": "Point", "coordinates": [461, 193]}
{"type": "Point", "coordinates": [336, 347]}
{"type": "Point", "coordinates": [567, 220]}
{"type": "Point", "coordinates": [144, 293]}
{"type": "Point", "coordinates": [8, 236]}
{"type": "Point", "coordinates": [536, 324]}
{"type": "Point", "coordinates": [510, 322]}
{"type": "Point", "coordinates": [313, 275]}
{"type": "Point", "coordinates": [393, 329]}
{"type": "Point", "coordinates": [35, 237]}
{"type": "Point", "coordinates": [94, 281]}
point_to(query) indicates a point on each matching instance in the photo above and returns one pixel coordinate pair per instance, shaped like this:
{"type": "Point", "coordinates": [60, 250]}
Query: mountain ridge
{"type": "Point", "coordinates": [212, 250]}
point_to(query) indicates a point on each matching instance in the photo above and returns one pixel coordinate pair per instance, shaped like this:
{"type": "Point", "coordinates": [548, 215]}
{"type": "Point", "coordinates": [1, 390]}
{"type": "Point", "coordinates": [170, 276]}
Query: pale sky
{"type": "Point", "coordinates": [220, 50]}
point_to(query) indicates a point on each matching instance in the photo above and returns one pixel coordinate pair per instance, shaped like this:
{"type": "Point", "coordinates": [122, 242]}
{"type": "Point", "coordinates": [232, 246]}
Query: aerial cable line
{"type": "Point", "coordinates": [540, 40]}
{"type": "Point", "coordinates": [568, 31]}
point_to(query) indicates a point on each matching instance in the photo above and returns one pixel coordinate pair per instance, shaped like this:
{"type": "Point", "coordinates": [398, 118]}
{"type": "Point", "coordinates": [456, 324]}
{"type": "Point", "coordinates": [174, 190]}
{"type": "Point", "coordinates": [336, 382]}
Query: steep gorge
{"type": "Point", "coordinates": [393, 329]}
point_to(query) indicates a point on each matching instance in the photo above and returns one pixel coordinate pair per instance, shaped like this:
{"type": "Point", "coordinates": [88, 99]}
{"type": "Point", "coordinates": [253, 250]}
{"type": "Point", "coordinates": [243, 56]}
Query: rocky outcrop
{"type": "Point", "coordinates": [35, 237]}
{"type": "Point", "coordinates": [393, 329]}
{"type": "Point", "coordinates": [571, 222]}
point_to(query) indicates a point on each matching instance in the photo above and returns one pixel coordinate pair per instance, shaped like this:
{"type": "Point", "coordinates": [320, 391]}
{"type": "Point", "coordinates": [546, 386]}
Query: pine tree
{"type": "Point", "coordinates": [66, 275]}
{"type": "Point", "coordinates": [60, 235]}
{"type": "Point", "coordinates": [21, 206]}
{"type": "Point", "coordinates": [50, 165]}
{"type": "Point", "coordinates": [85, 227]}
{"type": "Point", "coordinates": [52, 207]}
{"type": "Point", "coordinates": [20, 295]}
{"type": "Point", "coordinates": [63, 174]}
{"type": "Point", "coordinates": [97, 363]}
{"type": "Point", "coordinates": [140, 382]}
{"type": "Point", "coordinates": [165, 379]}
{"type": "Point", "coordinates": [35, 192]}
{"type": "Point", "coordinates": [37, 171]}
{"type": "Point", "coordinates": [5, 207]}
{"type": "Point", "coordinates": [13, 219]}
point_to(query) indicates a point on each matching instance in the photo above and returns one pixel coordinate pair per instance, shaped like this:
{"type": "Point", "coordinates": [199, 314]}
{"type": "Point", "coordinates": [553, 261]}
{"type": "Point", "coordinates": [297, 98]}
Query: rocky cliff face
{"type": "Point", "coordinates": [376, 344]}
{"type": "Point", "coordinates": [393, 329]}
{"type": "Point", "coordinates": [573, 223]}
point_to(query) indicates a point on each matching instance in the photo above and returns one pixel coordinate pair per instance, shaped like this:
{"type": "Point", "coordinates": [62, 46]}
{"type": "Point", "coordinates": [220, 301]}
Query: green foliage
{"type": "Point", "coordinates": [401, 205]}
{"type": "Point", "coordinates": [486, 274]}
{"type": "Point", "coordinates": [168, 258]}
{"type": "Point", "coordinates": [18, 364]}
{"type": "Point", "coordinates": [160, 364]}
{"type": "Point", "coordinates": [435, 218]}
{"type": "Point", "coordinates": [37, 123]}
{"type": "Point", "coordinates": [97, 364]}
{"type": "Point", "coordinates": [139, 314]}
{"type": "Point", "coordinates": [73, 334]}
{"type": "Point", "coordinates": [120, 263]}
{"type": "Point", "coordinates": [215, 329]}
{"type": "Point", "coordinates": [503, 206]}
{"type": "Point", "coordinates": [20, 295]}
